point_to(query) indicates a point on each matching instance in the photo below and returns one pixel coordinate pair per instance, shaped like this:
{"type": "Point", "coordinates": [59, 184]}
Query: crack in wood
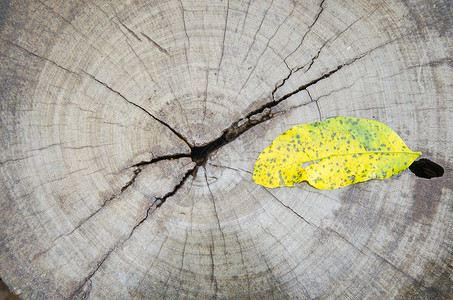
{"type": "Point", "coordinates": [256, 33]}
{"type": "Point", "coordinates": [14, 160]}
{"type": "Point", "coordinates": [224, 36]}
{"type": "Point", "coordinates": [262, 52]}
{"type": "Point", "coordinates": [317, 104]}
{"type": "Point", "coordinates": [129, 30]}
{"type": "Point", "coordinates": [380, 257]}
{"type": "Point", "coordinates": [151, 266]}
{"type": "Point", "coordinates": [143, 64]}
{"type": "Point", "coordinates": [183, 253]}
{"type": "Point", "coordinates": [103, 205]}
{"type": "Point", "coordinates": [156, 204]}
{"type": "Point", "coordinates": [213, 278]}
{"type": "Point", "coordinates": [115, 24]}
{"type": "Point", "coordinates": [184, 26]}
{"type": "Point", "coordinates": [241, 249]}
{"type": "Point", "coordinates": [52, 10]}
{"type": "Point", "coordinates": [230, 168]}
{"type": "Point", "coordinates": [200, 154]}
{"type": "Point", "coordinates": [322, 77]}
{"type": "Point", "coordinates": [155, 44]}
{"type": "Point", "coordinates": [321, 9]}
{"type": "Point", "coordinates": [140, 107]}
{"type": "Point", "coordinates": [159, 201]}
{"type": "Point", "coordinates": [205, 94]}
{"type": "Point", "coordinates": [80, 288]}
{"type": "Point", "coordinates": [38, 56]}
{"type": "Point", "coordinates": [316, 56]}
{"type": "Point", "coordinates": [289, 208]}
{"type": "Point", "coordinates": [291, 71]}
{"type": "Point", "coordinates": [160, 158]}
{"type": "Point", "coordinates": [325, 43]}
{"type": "Point", "coordinates": [123, 188]}
{"type": "Point", "coordinates": [216, 214]}
{"type": "Point", "coordinates": [285, 260]}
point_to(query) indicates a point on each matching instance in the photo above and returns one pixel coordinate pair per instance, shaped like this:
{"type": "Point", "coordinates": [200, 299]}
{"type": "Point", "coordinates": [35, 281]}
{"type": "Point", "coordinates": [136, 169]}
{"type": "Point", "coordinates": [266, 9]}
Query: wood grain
{"type": "Point", "coordinates": [129, 132]}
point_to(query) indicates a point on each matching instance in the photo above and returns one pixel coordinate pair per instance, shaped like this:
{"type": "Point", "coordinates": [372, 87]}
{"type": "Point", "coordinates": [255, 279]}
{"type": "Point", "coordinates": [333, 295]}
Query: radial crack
{"type": "Point", "coordinates": [317, 104]}
{"type": "Point", "coordinates": [156, 203]}
{"type": "Point", "coordinates": [155, 44]}
{"type": "Point", "coordinates": [215, 213]}
{"type": "Point", "coordinates": [230, 168]}
{"type": "Point", "coordinates": [291, 71]}
{"type": "Point", "coordinates": [316, 80]}
{"type": "Point", "coordinates": [338, 90]}
{"type": "Point", "coordinates": [205, 94]}
{"type": "Point", "coordinates": [289, 208]}
{"type": "Point", "coordinates": [140, 107]}
{"type": "Point", "coordinates": [321, 9]}
{"type": "Point", "coordinates": [200, 154]}
{"type": "Point", "coordinates": [262, 52]}
{"type": "Point", "coordinates": [213, 278]}
{"type": "Point", "coordinates": [256, 32]}
{"type": "Point", "coordinates": [143, 64]}
{"type": "Point", "coordinates": [79, 289]}
{"type": "Point", "coordinates": [159, 201]}
{"type": "Point", "coordinates": [123, 188]}
{"type": "Point", "coordinates": [53, 11]}
{"type": "Point", "coordinates": [184, 24]}
{"type": "Point", "coordinates": [160, 158]}
{"type": "Point", "coordinates": [316, 56]}
{"type": "Point", "coordinates": [14, 160]}
{"type": "Point", "coordinates": [152, 264]}
{"type": "Point", "coordinates": [374, 253]}
{"type": "Point", "coordinates": [116, 195]}
{"type": "Point", "coordinates": [39, 57]}
{"type": "Point", "coordinates": [130, 31]}
{"type": "Point", "coordinates": [224, 35]}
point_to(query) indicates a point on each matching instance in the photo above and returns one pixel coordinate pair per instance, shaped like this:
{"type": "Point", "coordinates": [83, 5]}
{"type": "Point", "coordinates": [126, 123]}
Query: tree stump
{"type": "Point", "coordinates": [130, 130]}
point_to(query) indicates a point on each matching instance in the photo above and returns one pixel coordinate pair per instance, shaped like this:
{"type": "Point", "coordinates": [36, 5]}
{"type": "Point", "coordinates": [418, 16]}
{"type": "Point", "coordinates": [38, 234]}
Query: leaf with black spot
{"type": "Point", "coordinates": [341, 151]}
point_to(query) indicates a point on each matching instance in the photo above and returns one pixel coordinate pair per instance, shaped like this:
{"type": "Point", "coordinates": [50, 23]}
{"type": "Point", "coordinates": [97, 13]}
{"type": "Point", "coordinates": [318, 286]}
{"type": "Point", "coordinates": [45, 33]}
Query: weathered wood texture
{"type": "Point", "coordinates": [106, 193]}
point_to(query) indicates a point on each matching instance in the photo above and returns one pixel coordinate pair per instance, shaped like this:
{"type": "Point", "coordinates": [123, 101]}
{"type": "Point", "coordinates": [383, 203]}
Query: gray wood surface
{"type": "Point", "coordinates": [106, 190]}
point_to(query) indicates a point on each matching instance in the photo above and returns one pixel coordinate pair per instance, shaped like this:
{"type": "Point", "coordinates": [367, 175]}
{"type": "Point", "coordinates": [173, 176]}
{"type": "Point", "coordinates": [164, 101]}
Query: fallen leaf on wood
{"type": "Point", "coordinates": [332, 154]}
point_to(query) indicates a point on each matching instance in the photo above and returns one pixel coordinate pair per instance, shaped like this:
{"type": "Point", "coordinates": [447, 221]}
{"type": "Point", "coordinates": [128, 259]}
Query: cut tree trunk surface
{"type": "Point", "coordinates": [129, 132]}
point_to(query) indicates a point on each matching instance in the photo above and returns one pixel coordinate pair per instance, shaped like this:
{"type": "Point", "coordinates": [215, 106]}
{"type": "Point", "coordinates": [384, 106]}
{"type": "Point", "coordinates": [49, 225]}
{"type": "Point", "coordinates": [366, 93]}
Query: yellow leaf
{"type": "Point", "coordinates": [340, 151]}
